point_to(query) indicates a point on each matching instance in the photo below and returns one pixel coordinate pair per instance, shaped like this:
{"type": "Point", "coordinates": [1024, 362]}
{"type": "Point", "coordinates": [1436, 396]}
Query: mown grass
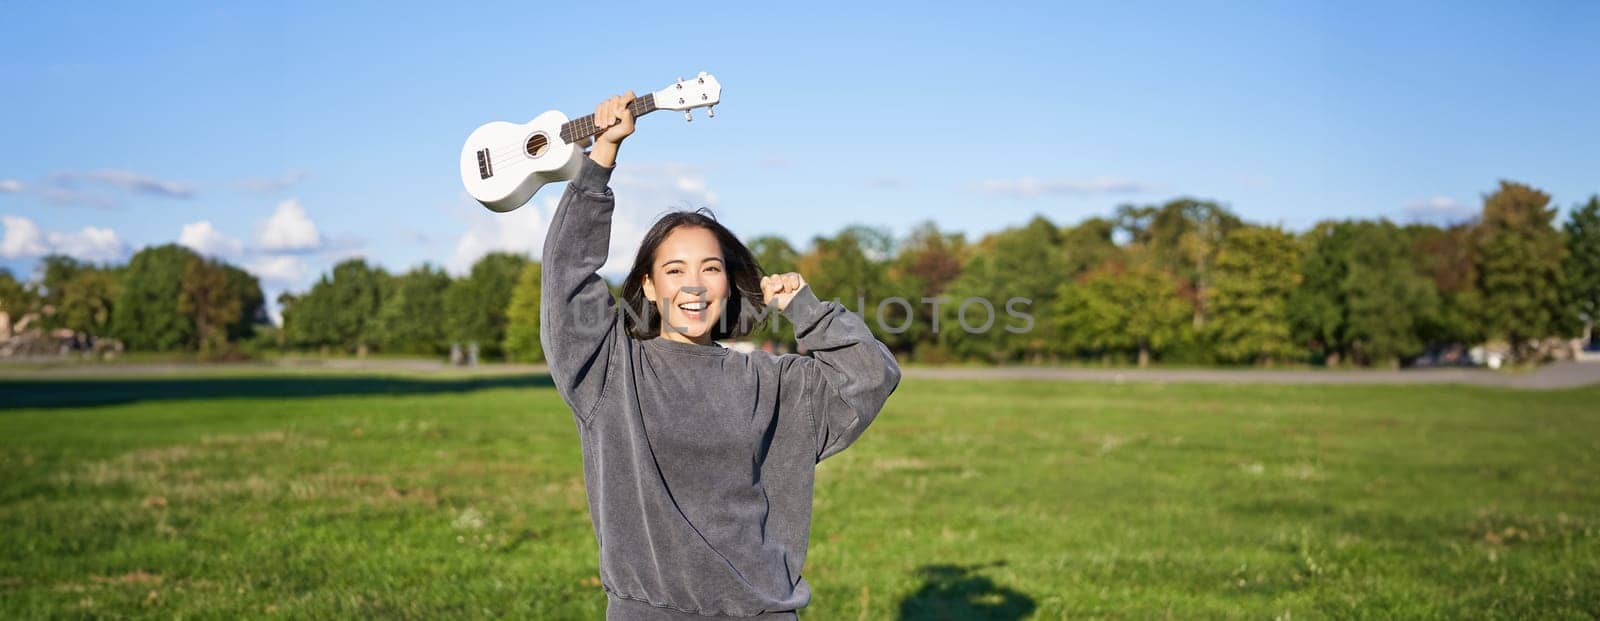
{"type": "Point", "coordinates": [360, 497]}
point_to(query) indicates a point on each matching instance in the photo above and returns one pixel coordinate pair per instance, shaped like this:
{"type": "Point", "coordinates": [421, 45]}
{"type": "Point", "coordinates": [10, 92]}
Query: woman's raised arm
{"type": "Point", "coordinates": [578, 323]}
{"type": "Point", "coordinates": [848, 375]}
{"type": "Point", "coordinates": [577, 320]}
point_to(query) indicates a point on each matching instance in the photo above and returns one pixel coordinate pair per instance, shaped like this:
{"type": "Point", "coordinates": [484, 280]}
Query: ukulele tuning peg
{"type": "Point", "coordinates": [688, 116]}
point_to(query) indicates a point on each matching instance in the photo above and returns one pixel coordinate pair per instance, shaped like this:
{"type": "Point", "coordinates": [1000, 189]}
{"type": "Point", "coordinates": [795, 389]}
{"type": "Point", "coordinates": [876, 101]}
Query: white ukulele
{"type": "Point", "coordinates": [503, 164]}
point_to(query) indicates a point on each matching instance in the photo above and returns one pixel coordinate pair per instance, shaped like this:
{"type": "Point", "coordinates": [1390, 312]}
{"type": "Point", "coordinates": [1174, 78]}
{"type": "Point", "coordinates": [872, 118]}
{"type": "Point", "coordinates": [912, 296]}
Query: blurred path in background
{"type": "Point", "coordinates": [1552, 376]}
{"type": "Point", "coordinates": [1556, 375]}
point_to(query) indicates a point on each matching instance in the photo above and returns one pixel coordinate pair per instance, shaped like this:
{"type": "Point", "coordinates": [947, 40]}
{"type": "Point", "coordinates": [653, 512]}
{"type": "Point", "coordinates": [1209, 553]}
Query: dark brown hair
{"type": "Point", "coordinates": [744, 306]}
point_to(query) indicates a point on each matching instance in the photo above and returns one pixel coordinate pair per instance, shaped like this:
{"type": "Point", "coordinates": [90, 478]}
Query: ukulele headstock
{"type": "Point", "coordinates": [701, 91]}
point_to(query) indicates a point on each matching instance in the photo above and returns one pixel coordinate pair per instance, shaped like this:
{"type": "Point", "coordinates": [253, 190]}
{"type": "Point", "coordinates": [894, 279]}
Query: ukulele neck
{"type": "Point", "coordinates": [583, 127]}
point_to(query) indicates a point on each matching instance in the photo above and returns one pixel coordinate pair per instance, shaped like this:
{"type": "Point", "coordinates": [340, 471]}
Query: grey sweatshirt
{"type": "Point", "coordinates": [698, 459]}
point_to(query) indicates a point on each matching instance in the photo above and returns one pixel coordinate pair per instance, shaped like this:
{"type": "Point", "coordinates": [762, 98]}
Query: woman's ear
{"type": "Point", "coordinates": [649, 289]}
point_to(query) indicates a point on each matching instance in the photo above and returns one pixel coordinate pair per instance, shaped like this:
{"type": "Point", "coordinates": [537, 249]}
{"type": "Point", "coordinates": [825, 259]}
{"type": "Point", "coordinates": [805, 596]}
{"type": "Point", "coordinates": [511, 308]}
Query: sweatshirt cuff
{"type": "Point", "coordinates": [804, 309]}
{"type": "Point", "coordinates": [592, 177]}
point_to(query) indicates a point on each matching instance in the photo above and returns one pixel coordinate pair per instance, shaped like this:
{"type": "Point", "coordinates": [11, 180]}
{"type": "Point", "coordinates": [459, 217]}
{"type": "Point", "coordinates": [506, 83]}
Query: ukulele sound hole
{"type": "Point", "coordinates": [537, 145]}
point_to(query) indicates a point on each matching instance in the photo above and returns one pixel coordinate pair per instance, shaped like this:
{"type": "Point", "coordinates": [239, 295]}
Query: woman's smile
{"type": "Point", "coordinates": [693, 311]}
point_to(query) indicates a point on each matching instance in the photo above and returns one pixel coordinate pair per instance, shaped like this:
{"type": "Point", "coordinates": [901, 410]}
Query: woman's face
{"type": "Point", "coordinates": [688, 283]}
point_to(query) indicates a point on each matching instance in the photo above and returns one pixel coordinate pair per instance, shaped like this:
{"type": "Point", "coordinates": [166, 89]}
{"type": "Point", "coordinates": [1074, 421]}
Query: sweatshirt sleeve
{"type": "Point", "coordinates": [848, 375]}
{"type": "Point", "coordinates": [578, 325]}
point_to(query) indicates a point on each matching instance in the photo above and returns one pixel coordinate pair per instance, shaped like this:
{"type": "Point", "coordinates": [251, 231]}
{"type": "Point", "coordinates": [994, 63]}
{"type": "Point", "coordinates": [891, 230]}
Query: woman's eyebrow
{"type": "Point", "coordinates": [707, 259]}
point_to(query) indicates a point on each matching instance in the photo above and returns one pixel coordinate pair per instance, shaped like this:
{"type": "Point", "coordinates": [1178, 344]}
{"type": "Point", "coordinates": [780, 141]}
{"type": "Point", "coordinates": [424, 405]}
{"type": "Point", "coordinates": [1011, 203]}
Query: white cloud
{"type": "Point", "coordinates": [71, 197]}
{"type": "Point", "coordinates": [1029, 187]}
{"type": "Point", "coordinates": [11, 186]}
{"type": "Point", "coordinates": [126, 180]}
{"type": "Point", "coordinates": [89, 244]}
{"type": "Point", "coordinates": [281, 269]}
{"type": "Point", "coordinates": [644, 192]}
{"type": "Point", "coordinates": [206, 239]}
{"type": "Point", "coordinates": [22, 238]}
{"type": "Point", "coordinates": [142, 184]}
{"type": "Point", "coordinates": [1439, 209]}
{"type": "Point", "coordinates": [289, 229]}
{"type": "Point", "coordinates": [268, 185]}
{"type": "Point", "coordinates": [521, 230]}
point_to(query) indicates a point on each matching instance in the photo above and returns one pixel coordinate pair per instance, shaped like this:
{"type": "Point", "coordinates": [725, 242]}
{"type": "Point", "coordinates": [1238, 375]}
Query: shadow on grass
{"type": "Point", "coordinates": [54, 393]}
{"type": "Point", "coordinates": [959, 592]}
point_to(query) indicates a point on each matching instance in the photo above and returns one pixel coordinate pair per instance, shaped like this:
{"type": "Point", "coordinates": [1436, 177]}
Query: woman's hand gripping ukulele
{"type": "Point", "coordinates": [613, 116]}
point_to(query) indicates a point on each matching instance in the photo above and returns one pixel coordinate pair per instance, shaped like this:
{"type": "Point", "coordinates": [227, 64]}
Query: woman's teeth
{"type": "Point", "coordinates": [693, 310]}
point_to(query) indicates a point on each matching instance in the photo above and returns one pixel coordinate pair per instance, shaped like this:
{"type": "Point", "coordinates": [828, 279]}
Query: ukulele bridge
{"type": "Point", "coordinates": [485, 166]}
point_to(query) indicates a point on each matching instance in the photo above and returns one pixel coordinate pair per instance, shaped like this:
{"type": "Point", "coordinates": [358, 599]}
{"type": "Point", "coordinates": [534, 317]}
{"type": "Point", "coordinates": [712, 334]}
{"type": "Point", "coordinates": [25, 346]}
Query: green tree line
{"type": "Point", "coordinates": [1182, 281]}
{"type": "Point", "coordinates": [165, 298]}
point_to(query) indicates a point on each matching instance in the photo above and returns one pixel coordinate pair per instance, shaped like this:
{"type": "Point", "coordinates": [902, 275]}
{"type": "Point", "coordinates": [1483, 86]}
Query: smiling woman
{"type": "Point", "coordinates": [698, 459]}
{"type": "Point", "coordinates": [693, 281]}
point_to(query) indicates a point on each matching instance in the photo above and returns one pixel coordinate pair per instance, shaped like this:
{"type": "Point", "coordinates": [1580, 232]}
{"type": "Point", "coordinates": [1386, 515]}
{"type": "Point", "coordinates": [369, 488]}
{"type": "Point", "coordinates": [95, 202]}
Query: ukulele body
{"type": "Point", "coordinates": [503, 164]}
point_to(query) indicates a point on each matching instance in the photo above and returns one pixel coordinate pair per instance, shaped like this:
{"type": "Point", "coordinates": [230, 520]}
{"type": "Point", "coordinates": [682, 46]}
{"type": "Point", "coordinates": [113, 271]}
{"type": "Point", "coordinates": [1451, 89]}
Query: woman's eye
{"type": "Point", "coordinates": [713, 269]}
{"type": "Point", "coordinates": [672, 271]}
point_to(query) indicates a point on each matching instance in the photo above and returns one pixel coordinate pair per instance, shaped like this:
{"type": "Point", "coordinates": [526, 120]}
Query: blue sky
{"type": "Point", "coordinates": [286, 137]}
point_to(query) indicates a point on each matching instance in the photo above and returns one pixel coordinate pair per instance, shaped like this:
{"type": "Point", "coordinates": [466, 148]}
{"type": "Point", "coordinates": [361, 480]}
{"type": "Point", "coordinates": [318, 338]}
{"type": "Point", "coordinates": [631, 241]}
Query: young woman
{"type": "Point", "coordinates": [698, 459]}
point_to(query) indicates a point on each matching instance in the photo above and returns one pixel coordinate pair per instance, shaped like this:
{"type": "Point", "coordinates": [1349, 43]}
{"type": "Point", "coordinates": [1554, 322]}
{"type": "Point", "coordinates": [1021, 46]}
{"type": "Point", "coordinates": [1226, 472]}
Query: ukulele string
{"type": "Point", "coordinates": [584, 130]}
{"type": "Point", "coordinates": [499, 153]}
{"type": "Point", "coordinates": [505, 160]}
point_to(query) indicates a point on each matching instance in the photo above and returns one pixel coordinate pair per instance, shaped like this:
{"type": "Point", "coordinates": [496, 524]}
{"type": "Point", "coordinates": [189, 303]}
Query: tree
{"type": "Point", "coordinates": [775, 256]}
{"type": "Point", "coordinates": [1519, 257]}
{"type": "Point", "coordinates": [1583, 262]}
{"type": "Point", "coordinates": [55, 271]}
{"type": "Point", "coordinates": [308, 318]}
{"type": "Point", "coordinates": [412, 318]}
{"type": "Point", "coordinates": [341, 309]}
{"type": "Point", "coordinates": [208, 300]}
{"type": "Point", "coordinates": [1360, 294]}
{"type": "Point", "coordinates": [475, 306]}
{"type": "Point", "coordinates": [357, 291]}
{"type": "Point", "coordinates": [86, 300]}
{"type": "Point", "coordinates": [1318, 310]}
{"type": "Point", "coordinates": [1387, 299]}
{"type": "Point", "coordinates": [927, 261]}
{"type": "Point", "coordinates": [252, 303]}
{"type": "Point", "coordinates": [1125, 308]}
{"type": "Point", "coordinates": [1254, 276]}
{"type": "Point", "coordinates": [849, 267]}
{"type": "Point", "coordinates": [1445, 256]}
{"type": "Point", "coordinates": [1089, 245]}
{"type": "Point", "coordinates": [522, 318]}
{"type": "Point", "coordinates": [1010, 277]}
{"type": "Point", "coordinates": [147, 315]}
{"type": "Point", "coordinates": [1184, 236]}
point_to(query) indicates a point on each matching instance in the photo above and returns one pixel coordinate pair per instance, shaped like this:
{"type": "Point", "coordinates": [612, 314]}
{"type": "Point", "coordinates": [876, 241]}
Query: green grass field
{"type": "Point", "coordinates": [344, 496]}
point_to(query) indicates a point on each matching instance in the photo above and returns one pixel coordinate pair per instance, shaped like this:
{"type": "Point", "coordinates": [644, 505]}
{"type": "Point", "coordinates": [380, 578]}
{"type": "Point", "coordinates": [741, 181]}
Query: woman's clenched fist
{"type": "Point", "coordinates": [778, 289]}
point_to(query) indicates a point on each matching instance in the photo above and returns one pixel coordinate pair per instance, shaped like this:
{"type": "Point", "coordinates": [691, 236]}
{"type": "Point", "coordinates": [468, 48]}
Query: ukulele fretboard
{"type": "Point", "coordinates": [583, 127]}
